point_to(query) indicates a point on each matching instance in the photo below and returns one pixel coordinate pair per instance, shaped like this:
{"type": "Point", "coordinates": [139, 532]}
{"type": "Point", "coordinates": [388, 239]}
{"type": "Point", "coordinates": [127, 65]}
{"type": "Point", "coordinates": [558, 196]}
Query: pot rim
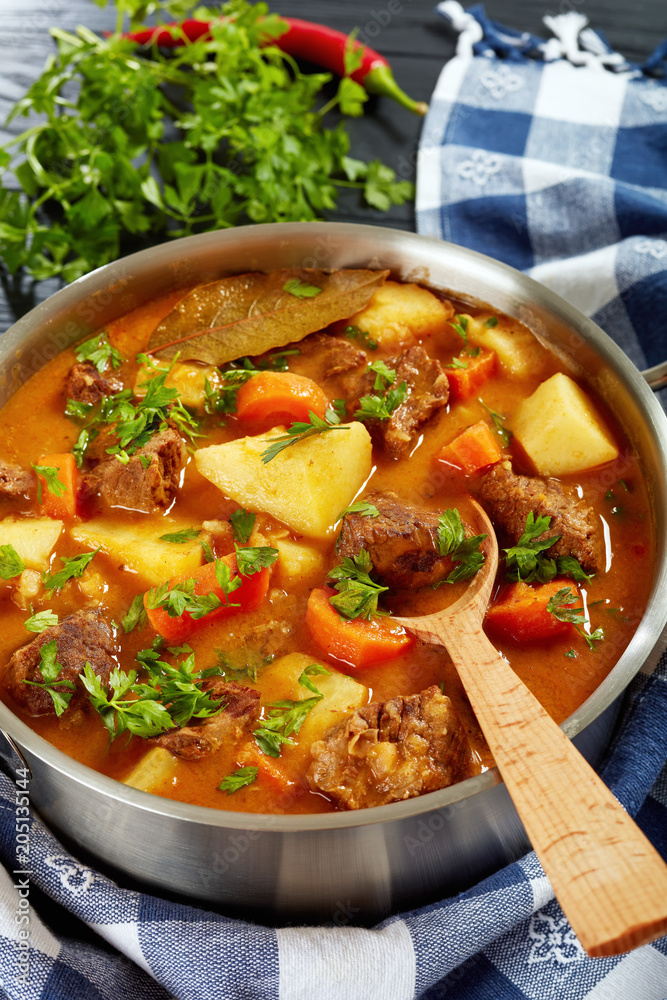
{"type": "Point", "coordinates": [644, 642]}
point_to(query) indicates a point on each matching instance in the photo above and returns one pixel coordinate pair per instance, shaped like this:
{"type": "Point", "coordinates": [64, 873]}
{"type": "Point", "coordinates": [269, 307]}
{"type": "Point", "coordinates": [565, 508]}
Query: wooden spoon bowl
{"type": "Point", "coordinates": [607, 877]}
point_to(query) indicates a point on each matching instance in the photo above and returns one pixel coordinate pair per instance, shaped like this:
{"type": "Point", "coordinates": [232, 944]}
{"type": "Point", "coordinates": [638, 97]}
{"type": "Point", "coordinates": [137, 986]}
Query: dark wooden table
{"type": "Point", "coordinates": [415, 40]}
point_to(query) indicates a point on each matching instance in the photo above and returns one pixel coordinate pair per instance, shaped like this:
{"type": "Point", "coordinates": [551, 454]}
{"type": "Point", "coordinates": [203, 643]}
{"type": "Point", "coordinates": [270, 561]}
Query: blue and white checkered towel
{"type": "Point", "coordinates": [527, 177]}
{"type": "Point", "coordinates": [552, 157]}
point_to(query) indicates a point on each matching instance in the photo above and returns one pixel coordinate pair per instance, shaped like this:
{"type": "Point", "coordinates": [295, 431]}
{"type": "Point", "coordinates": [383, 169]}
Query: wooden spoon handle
{"type": "Point", "coordinates": [608, 878]}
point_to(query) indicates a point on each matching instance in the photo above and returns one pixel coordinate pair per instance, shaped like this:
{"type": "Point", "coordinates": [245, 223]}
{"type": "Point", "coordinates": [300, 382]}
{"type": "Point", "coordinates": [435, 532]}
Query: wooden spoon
{"type": "Point", "coordinates": [607, 877]}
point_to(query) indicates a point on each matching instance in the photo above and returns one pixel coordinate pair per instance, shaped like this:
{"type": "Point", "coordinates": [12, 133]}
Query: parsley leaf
{"type": "Point", "coordinates": [50, 670]}
{"type": "Point", "coordinates": [250, 560]}
{"type": "Point", "coordinates": [181, 597]}
{"type": "Point", "coordinates": [464, 552]}
{"type": "Point", "coordinates": [384, 375]}
{"type": "Point", "coordinates": [362, 507]}
{"type": "Point", "coordinates": [373, 407]}
{"type": "Point", "coordinates": [461, 327]}
{"type": "Point", "coordinates": [301, 289]}
{"type": "Point", "coordinates": [11, 564]}
{"type": "Point", "coordinates": [241, 778]}
{"type": "Point", "coordinates": [313, 670]}
{"type": "Point", "coordinates": [136, 615]}
{"type": "Point", "coordinates": [498, 423]}
{"type": "Point", "coordinates": [301, 430]}
{"type": "Point", "coordinates": [99, 352]}
{"type": "Point", "coordinates": [72, 568]}
{"type": "Point", "coordinates": [525, 561]}
{"type": "Point", "coordinates": [285, 719]}
{"type": "Point", "coordinates": [41, 621]}
{"type": "Point", "coordinates": [53, 483]}
{"type": "Point", "coordinates": [242, 522]}
{"type": "Point", "coordinates": [560, 606]}
{"type": "Point", "coordinates": [181, 537]}
{"type": "Point", "coordinates": [224, 398]}
{"type": "Point", "coordinates": [357, 593]}
{"type": "Point", "coordinates": [354, 333]}
{"type": "Point", "coordinates": [491, 322]}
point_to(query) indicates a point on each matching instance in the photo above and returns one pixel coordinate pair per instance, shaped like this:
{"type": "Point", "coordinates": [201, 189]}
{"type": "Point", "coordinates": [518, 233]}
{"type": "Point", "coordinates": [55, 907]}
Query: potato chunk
{"type": "Point", "coordinates": [560, 429]}
{"type": "Point", "coordinates": [299, 564]}
{"type": "Point", "coordinates": [154, 768]}
{"type": "Point", "coordinates": [519, 352]}
{"type": "Point", "coordinates": [341, 694]}
{"type": "Point", "coordinates": [140, 548]}
{"type": "Point", "coordinates": [33, 538]}
{"type": "Point", "coordinates": [399, 314]}
{"type": "Point", "coordinates": [305, 486]}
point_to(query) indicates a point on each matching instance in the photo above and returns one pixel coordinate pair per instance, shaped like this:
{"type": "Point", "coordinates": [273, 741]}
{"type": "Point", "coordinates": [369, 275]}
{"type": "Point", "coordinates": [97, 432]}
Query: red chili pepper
{"type": "Point", "coordinates": [303, 40]}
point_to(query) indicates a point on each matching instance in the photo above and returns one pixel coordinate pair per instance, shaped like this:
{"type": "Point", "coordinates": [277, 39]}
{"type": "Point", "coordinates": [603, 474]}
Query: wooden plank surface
{"type": "Point", "coordinates": [415, 40]}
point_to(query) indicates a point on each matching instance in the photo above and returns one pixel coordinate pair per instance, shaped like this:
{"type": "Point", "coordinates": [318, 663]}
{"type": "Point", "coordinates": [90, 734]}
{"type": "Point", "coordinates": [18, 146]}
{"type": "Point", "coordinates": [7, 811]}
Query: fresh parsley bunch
{"type": "Point", "coordinates": [134, 142]}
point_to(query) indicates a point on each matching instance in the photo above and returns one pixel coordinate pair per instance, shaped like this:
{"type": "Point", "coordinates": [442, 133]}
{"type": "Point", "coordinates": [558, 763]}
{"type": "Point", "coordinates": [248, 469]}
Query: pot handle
{"type": "Point", "coordinates": [656, 376]}
{"type": "Point", "coordinates": [12, 761]}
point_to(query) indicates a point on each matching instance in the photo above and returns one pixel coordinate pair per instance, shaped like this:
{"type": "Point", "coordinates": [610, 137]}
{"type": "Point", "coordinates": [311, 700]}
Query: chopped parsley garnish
{"type": "Point", "coordinates": [560, 606]}
{"type": "Point", "coordinates": [354, 333]}
{"type": "Point", "coordinates": [224, 398]}
{"type": "Point", "coordinates": [251, 559]}
{"type": "Point", "coordinates": [11, 564]}
{"type": "Point", "coordinates": [239, 664]}
{"type": "Point", "coordinates": [464, 552]}
{"type": "Point", "coordinates": [170, 698]}
{"type": "Point", "coordinates": [526, 560]}
{"type": "Point", "coordinates": [207, 550]}
{"type": "Point", "coordinates": [301, 289]}
{"type": "Point", "coordinates": [358, 594]}
{"type": "Point", "coordinates": [571, 654]}
{"type": "Point", "coordinates": [457, 363]}
{"type": "Point", "coordinates": [242, 522]}
{"type": "Point", "coordinates": [491, 322]}
{"type": "Point", "coordinates": [498, 422]}
{"type": "Point", "coordinates": [301, 430]}
{"type": "Point", "coordinates": [285, 719]}
{"type": "Point", "coordinates": [50, 670]}
{"type": "Point", "coordinates": [384, 375]}
{"type": "Point", "coordinates": [362, 507]}
{"type": "Point", "coordinates": [181, 597]}
{"type": "Point", "coordinates": [72, 568]}
{"type": "Point", "coordinates": [313, 670]}
{"type": "Point", "coordinates": [181, 537]}
{"type": "Point", "coordinates": [275, 362]}
{"type": "Point", "coordinates": [374, 407]}
{"type": "Point", "coordinates": [41, 621]}
{"type": "Point", "coordinates": [136, 615]}
{"type": "Point", "coordinates": [53, 484]}
{"type": "Point", "coordinates": [238, 779]}
{"type": "Point", "coordinates": [99, 352]}
{"type": "Point", "coordinates": [461, 327]}
{"type": "Point", "coordinates": [134, 422]}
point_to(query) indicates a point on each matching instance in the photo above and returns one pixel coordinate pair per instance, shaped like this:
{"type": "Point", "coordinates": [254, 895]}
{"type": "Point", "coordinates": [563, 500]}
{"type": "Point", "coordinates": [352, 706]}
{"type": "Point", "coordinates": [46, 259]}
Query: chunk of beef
{"type": "Point", "coordinates": [508, 500]}
{"type": "Point", "coordinates": [16, 482]}
{"type": "Point", "coordinates": [394, 750]}
{"type": "Point", "coordinates": [239, 713]}
{"type": "Point", "coordinates": [135, 485]}
{"type": "Point", "coordinates": [337, 355]}
{"type": "Point", "coordinates": [427, 392]}
{"type": "Point", "coordinates": [86, 385]}
{"type": "Point", "coordinates": [402, 542]}
{"type": "Point", "coordinates": [80, 637]}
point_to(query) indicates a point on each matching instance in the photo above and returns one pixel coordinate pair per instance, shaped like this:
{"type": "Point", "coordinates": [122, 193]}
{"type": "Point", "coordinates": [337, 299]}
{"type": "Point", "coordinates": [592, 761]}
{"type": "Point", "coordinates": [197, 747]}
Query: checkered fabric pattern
{"type": "Point", "coordinates": [521, 179]}
{"type": "Point", "coordinates": [552, 157]}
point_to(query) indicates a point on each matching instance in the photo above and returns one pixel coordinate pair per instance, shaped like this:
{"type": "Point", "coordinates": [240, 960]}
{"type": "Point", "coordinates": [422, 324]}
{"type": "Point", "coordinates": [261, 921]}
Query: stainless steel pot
{"type": "Point", "coordinates": [342, 867]}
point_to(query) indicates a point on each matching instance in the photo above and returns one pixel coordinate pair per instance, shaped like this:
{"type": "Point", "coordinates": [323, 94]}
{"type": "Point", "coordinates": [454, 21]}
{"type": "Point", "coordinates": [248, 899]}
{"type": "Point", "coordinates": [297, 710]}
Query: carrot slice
{"type": "Point", "coordinates": [62, 504]}
{"type": "Point", "coordinates": [466, 382]}
{"type": "Point", "coordinates": [247, 597]}
{"type": "Point", "coordinates": [473, 449]}
{"type": "Point", "coordinates": [279, 398]}
{"type": "Point", "coordinates": [521, 612]}
{"type": "Point", "coordinates": [359, 642]}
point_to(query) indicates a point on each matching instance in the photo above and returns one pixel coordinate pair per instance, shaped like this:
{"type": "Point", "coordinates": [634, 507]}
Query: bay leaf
{"type": "Point", "coordinates": [248, 314]}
